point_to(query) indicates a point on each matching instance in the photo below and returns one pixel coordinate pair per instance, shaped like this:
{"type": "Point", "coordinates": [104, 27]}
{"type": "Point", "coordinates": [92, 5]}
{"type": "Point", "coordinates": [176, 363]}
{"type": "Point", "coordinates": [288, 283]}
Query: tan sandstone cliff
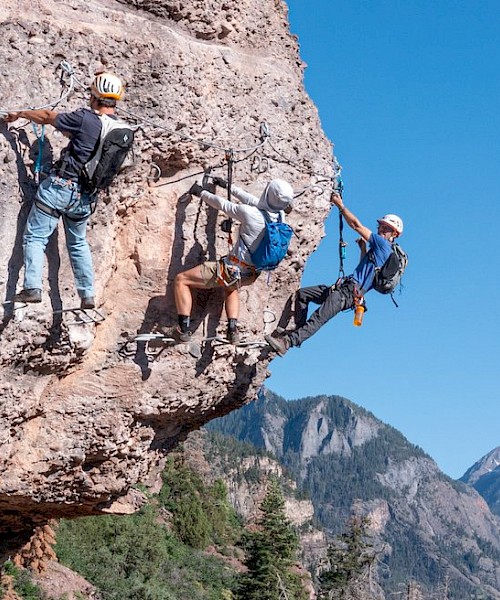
{"type": "Point", "coordinates": [80, 422]}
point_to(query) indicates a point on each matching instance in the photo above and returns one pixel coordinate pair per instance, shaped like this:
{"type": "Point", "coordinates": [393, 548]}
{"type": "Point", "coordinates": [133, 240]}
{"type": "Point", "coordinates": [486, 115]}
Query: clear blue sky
{"type": "Point", "coordinates": [409, 93]}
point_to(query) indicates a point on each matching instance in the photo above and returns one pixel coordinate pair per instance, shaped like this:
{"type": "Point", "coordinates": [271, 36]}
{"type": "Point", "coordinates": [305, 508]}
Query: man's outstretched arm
{"type": "Point", "coordinates": [350, 218]}
{"type": "Point", "coordinates": [41, 116]}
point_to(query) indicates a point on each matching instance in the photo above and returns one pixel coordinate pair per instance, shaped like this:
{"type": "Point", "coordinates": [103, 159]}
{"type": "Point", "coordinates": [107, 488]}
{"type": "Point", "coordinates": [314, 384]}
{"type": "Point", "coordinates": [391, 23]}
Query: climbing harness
{"type": "Point", "coordinates": [227, 275]}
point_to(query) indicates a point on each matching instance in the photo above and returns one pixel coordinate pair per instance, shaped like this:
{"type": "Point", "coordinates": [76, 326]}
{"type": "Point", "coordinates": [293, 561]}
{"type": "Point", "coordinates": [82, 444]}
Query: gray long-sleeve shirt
{"type": "Point", "coordinates": [251, 219]}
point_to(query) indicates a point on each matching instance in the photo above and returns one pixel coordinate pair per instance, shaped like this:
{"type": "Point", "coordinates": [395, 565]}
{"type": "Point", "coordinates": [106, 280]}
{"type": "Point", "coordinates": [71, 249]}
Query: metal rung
{"type": "Point", "coordinates": [84, 316]}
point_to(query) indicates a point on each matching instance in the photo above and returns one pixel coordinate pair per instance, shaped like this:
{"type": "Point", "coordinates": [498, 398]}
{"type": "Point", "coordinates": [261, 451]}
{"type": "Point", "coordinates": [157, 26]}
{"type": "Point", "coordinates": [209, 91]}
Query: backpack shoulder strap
{"type": "Point", "coordinates": [267, 216]}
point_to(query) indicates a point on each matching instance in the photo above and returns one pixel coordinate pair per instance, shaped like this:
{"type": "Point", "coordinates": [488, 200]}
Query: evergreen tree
{"type": "Point", "coordinates": [350, 559]}
{"type": "Point", "coordinates": [271, 553]}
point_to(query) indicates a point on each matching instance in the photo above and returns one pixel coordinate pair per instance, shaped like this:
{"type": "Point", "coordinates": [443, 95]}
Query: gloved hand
{"type": "Point", "coordinates": [220, 181]}
{"type": "Point", "coordinates": [226, 225]}
{"type": "Point", "coordinates": [196, 189]}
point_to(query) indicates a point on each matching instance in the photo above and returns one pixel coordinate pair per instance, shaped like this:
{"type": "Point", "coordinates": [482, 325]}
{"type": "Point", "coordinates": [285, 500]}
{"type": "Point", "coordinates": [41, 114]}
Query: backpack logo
{"type": "Point", "coordinates": [273, 246]}
{"type": "Point", "coordinates": [114, 144]}
{"type": "Point", "coordinates": [388, 276]}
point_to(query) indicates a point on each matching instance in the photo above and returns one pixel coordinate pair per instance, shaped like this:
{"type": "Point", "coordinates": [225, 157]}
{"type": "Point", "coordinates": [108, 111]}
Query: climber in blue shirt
{"type": "Point", "coordinates": [347, 291]}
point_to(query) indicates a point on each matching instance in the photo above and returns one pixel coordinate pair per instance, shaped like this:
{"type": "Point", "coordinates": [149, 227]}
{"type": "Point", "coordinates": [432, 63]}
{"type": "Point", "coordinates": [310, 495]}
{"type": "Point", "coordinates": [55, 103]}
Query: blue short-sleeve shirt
{"type": "Point", "coordinates": [378, 252]}
{"type": "Point", "coordinates": [84, 128]}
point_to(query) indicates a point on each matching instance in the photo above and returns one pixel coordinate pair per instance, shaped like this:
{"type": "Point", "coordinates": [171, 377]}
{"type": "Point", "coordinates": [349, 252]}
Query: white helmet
{"type": "Point", "coordinates": [107, 85]}
{"type": "Point", "coordinates": [393, 221]}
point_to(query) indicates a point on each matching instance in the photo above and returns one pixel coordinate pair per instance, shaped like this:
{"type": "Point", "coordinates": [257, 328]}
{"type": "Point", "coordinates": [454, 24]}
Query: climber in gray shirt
{"type": "Point", "coordinates": [236, 269]}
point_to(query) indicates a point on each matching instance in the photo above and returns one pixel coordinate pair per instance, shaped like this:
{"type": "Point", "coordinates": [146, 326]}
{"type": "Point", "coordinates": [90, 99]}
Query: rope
{"type": "Point", "coordinates": [184, 136]}
{"type": "Point", "coordinates": [259, 164]}
{"type": "Point", "coordinates": [66, 69]}
{"type": "Point", "coordinates": [265, 138]}
{"type": "Point", "coordinates": [338, 187]}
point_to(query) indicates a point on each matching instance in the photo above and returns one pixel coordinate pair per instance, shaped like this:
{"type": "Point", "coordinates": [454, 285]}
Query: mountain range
{"type": "Point", "coordinates": [484, 476]}
{"type": "Point", "coordinates": [429, 528]}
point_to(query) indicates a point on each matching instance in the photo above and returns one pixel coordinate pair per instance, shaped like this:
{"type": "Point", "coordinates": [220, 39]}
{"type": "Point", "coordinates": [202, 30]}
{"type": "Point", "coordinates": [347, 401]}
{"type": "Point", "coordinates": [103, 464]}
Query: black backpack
{"type": "Point", "coordinates": [388, 276]}
{"type": "Point", "coordinates": [108, 156]}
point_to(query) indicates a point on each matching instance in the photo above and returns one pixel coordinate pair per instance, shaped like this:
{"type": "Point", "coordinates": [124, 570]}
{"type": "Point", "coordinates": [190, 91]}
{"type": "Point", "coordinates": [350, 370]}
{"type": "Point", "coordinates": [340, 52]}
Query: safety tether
{"type": "Point", "coordinates": [230, 164]}
{"type": "Point", "coordinates": [338, 187]}
{"type": "Point", "coordinates": [41, 139]}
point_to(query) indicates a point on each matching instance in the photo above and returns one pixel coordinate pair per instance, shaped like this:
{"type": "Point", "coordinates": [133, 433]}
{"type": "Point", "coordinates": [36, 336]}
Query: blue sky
{"type": "Point", "coordinates": [409, 93]}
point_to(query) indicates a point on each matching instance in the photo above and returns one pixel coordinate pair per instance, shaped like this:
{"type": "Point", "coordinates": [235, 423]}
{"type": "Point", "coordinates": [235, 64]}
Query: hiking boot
{"type": "Point", "coordinates": [88, 302]}
{"type": "Point", "coordinates": [175, 333]}
{"type": "Point", "coordinates": [32, 295]}
{"type": "Point", "coordinates": [278, 344]}
{"type": "Point", "coordinates": [233, 337]}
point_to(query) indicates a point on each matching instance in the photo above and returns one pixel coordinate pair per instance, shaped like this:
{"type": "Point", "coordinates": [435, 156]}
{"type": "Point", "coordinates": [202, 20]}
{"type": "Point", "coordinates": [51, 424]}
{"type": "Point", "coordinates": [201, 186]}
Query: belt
{"type": "Point", "coordinates": [60, 175]}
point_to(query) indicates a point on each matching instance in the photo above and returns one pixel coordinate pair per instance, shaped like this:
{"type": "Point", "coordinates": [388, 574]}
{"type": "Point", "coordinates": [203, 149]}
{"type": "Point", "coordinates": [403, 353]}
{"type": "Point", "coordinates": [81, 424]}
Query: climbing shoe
{"type": "Point", "coordinates": [31, 296]}
{"type": "Point", "coordinates": [175, 333]}
{"type": "Point", "coordinates": [88, 302]}
{"type": "Point", "coordinates": [279, 344]}
{"type": "Point", "coordinates": [233, 337]}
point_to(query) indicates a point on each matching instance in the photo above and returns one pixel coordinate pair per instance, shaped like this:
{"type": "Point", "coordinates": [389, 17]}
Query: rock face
{"type": "Point", "coordinates": [81, 423]}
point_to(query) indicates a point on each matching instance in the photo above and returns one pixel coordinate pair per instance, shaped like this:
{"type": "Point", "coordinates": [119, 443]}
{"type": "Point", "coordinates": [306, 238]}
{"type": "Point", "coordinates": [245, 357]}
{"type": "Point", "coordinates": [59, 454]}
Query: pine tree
{"type": "Point", "coordinates": [350, 560]}
{"type": "Point", "coordinates": [271, 553]}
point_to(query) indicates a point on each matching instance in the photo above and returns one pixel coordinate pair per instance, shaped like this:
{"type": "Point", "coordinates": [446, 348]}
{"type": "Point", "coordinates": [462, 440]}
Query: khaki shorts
{"type": "Point", "coordinates": [210, 272]}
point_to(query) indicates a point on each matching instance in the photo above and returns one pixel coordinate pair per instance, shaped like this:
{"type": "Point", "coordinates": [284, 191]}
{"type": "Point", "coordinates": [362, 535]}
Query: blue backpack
{"type": "Point", "coordinates": [273, 246]}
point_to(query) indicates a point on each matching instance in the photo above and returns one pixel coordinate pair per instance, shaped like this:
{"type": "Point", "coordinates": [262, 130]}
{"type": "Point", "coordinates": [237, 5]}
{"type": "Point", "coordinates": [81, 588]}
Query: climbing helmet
{"type": "Point", "coordinates": [394, 222]}
{"type": "Point", "coordinates": [107, 85]}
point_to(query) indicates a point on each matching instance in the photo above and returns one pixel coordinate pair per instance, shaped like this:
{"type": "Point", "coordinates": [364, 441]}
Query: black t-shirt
{"type": "Point", "coordinates": [84, 128]}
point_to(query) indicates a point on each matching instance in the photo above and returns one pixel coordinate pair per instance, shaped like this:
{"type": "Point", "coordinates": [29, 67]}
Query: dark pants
{"type": "Point", "coordinates": [332, 300]}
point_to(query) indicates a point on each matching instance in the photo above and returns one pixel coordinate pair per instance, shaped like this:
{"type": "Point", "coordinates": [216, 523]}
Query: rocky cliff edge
{"type": "Point", "coordinates": [86, 416]}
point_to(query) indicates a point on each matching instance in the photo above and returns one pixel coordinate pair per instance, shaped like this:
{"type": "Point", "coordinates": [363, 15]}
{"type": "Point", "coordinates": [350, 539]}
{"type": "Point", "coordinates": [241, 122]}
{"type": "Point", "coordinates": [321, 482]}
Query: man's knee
{"type": "Point", "coordinates": [191, 277]}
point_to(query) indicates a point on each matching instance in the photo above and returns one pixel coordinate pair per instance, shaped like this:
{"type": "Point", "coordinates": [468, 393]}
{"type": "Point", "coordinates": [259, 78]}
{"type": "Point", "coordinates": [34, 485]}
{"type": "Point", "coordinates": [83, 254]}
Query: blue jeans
{"type": "Point", "coordinates": [63, 196]}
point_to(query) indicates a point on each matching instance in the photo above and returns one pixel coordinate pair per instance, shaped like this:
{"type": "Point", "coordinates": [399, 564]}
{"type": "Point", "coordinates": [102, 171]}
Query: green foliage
{"type": "Point", "coordinates": [271, 552]}
{"type": "Point", "coordinates": [200, 515]}
{"type": "Point", "coordinates": [349, 558]}
{"type": "Point", "coordinates": [23, 584]}
{"type": "Point", "coordinates": [137, 558]}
